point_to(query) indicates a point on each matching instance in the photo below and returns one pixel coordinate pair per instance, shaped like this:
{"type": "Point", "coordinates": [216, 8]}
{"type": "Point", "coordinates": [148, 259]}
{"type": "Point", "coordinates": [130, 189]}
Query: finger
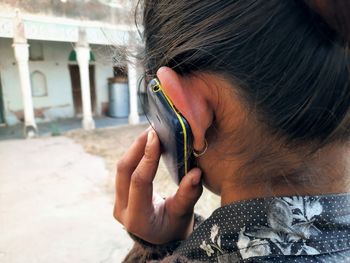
{"type": "Point", "coordinates": [141, 188]}
{"type": "Point", "coordinates": [125, 168]}
{"type": "Point", "coordinates": [134, 154]}
{"type": "Point", "coordinates": [187, 195]}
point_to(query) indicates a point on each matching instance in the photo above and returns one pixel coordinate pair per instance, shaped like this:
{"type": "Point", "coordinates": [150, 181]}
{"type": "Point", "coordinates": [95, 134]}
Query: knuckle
{"type": "Point", "coordinates": [140, 139]}
{"type": "Point", "coordinates": [149, 157]}
{"type": "Point", "coordinates": [137, 179]}
{"type": "Point", "coordinates": [121, 166]}
{"type": "Point", "coordinates": [117, 214]}
{"type": "Point", "coordinates": [130, 226]}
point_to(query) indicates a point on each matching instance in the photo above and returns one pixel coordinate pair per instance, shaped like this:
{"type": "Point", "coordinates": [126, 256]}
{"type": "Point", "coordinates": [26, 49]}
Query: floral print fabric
{"type": "Point", "coordinates": [263, 230]}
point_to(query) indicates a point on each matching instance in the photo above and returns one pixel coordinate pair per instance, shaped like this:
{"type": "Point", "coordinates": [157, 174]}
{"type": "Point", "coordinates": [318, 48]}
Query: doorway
{"type": "Point", "coordinates": [76, 88]}
{"type": "Point", "coordinates": [2, 116]}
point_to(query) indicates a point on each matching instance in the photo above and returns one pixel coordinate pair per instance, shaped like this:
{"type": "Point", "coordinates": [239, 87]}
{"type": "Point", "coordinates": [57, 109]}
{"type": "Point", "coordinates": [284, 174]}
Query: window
{"type": "Point", "coordinates": [36, 51]}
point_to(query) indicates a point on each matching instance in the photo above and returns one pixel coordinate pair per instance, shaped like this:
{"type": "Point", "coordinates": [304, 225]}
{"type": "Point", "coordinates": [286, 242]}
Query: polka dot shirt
{"type": "Point", "coordinates": [276, 229]}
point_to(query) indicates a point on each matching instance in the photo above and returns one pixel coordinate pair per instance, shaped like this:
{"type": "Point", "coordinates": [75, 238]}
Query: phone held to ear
{"type": "Point", "coordinates": [173, 130]}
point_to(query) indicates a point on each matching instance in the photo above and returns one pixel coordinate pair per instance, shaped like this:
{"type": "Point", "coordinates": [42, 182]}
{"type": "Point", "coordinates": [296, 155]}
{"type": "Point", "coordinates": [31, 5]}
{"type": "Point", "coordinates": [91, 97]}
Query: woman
{"type": "Point", "coordinates": [266, 85]}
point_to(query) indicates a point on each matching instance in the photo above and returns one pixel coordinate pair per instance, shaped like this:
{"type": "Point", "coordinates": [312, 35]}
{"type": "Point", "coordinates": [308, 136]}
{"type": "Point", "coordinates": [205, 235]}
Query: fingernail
{"type": "Point", "coordinates": [197, 177]}
{"type": "Point", "coordinates": [150, 136]}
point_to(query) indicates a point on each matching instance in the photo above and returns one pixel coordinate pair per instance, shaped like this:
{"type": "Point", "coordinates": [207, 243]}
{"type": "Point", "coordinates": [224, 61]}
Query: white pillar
{"type": "Point", "coordinates": [21, 50]}
{"type": "Point", "coordinates": [82, 50]}
{"type": "Point", "coordinates": [133, 82]}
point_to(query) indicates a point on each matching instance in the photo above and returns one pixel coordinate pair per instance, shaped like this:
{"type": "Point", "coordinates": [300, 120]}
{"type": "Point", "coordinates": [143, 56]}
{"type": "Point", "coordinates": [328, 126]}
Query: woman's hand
{"type": "Point", "coordinates": [143, 213]}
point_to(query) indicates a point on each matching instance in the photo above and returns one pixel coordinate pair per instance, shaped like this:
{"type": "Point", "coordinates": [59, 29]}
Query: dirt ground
{"type": "Point", "coordinates": [111, 144]}
{"type": "Point", "coordinates": [54, 206]}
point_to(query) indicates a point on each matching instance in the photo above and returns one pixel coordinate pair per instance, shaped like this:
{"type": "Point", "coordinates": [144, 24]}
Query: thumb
{"type": "Point", "coordinates": [188, 193]}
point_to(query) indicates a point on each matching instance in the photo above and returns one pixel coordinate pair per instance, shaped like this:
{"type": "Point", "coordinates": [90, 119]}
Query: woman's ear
{"type": "Point", "coordinates": [192, 97]}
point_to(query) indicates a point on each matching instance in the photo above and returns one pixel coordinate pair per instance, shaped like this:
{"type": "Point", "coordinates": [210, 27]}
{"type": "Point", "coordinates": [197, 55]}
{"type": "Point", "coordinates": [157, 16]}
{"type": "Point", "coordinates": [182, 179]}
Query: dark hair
{"type": "Point", "coordinates": [289, 66]}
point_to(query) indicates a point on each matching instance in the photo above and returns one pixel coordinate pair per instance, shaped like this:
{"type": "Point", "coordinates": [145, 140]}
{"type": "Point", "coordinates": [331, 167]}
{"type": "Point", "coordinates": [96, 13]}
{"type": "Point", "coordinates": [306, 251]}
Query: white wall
{"type": "Point", "coordinates": [59, 102]}
{"type": "Point", "coordinates": [54, 67]}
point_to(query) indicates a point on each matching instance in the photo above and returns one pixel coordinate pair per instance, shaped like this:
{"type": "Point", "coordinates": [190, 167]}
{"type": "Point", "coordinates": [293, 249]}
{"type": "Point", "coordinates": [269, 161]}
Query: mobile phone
{"type": "Point", "coordinates": [173, 131]}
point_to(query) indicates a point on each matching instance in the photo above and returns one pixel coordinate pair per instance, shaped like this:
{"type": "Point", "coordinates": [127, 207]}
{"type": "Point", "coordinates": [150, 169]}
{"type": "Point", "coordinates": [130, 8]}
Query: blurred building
{"type": "Point", "coordinates": [56, 57]}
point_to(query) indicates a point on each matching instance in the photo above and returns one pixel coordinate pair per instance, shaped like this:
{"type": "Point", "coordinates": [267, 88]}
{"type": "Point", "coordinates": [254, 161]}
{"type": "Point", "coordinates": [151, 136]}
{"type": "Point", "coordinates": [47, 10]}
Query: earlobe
{"type": "Point", "coordinates": [190, 97]}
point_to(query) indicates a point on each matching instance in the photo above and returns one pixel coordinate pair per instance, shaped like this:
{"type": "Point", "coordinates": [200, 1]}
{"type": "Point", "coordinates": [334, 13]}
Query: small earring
{"type": "Point", "coordinates": [201, 152]}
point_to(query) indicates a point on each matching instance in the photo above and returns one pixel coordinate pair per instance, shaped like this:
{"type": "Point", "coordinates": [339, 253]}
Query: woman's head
{"type": "Point", "coordinates": [279, 73]}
